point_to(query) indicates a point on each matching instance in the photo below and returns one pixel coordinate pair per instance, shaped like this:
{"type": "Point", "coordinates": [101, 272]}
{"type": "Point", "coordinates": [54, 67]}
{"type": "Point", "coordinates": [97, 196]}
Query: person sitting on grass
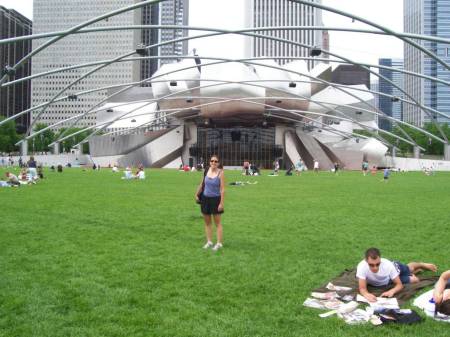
{"type": "Point", "coordinates": [25, 177]}
{"type": "Point", "coordinates": [12, 179]}
{"type": "Point", "coordinates": [289, 171]}
{"type": "Point", "coordinates": [380, 272]}
{"type": "Point", "coordinates": [40, 171]}
{"type": "Point", "coordinates": [140, 174]}
{"type": "Point", "coordinates": [441, 294]}
{"type": "Point", "coordinates": [127, 174]}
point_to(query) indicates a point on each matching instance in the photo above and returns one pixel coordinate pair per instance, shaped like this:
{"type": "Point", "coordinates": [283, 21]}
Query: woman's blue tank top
{"type": "Point", "coordinates": [212, 186]}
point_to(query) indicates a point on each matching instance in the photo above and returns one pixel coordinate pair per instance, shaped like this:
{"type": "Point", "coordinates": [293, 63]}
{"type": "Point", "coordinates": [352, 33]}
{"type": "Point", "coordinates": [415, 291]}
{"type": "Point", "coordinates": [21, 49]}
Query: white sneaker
{"type": "Point", "coordinates": [217, 246]}
{"type": "Point", "coordinates": [207, 245]}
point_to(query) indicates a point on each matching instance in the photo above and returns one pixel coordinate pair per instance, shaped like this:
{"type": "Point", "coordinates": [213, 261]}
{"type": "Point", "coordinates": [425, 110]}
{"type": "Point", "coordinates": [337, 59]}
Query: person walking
{"type": "Point", "coordinates": [336, 167]}
{"type": "Point", "coordinates": [316, 166]}
{"type": "Point", "coordinates": [210, 194]}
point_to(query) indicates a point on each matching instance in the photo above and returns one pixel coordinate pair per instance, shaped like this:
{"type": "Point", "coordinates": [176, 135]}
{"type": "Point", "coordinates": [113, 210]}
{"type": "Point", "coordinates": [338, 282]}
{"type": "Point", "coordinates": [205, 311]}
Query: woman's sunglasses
{"type": "Point", "coordinates": [214, 161]}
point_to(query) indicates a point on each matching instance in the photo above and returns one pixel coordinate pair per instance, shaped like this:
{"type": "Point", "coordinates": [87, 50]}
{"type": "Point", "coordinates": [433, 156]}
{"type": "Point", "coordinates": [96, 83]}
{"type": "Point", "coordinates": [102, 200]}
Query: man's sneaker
{"type": "Point", "coordinates": [207, 245]}
{"type": "Point", "coordinates": [217, 246]}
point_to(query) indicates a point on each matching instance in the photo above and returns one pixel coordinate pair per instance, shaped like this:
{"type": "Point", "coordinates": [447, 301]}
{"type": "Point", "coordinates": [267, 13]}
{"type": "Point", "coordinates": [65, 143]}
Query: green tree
{"type": "Point", "coordinates": [430, 145]}
{"type": "Point", "coordinates": [69, 143]}
{"type": "Point", "coordinates": [8, 136]}
{"type": "Point", "coordinates": [42, 141]}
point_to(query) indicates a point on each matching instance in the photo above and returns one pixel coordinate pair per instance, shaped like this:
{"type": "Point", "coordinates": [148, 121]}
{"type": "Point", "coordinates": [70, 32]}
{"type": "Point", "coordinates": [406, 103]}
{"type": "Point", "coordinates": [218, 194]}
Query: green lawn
{"type": "Point", "coordinates": [87, 254]}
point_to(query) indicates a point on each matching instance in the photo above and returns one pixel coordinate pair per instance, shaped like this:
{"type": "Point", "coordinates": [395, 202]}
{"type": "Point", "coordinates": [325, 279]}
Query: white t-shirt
{"type": "Point", "coordinates": [386, 273]}
{"type": "Point", "coordinates": [316, 164]}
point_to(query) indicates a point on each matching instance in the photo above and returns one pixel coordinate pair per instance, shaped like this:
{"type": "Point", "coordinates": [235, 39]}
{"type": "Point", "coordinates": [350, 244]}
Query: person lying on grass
{"type": "Point", "coordinates": [380, 272]}
{"type": "Point", "coordinates": [441, 295]}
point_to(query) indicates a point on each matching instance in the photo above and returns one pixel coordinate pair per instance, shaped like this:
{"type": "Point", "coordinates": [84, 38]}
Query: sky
{"type": "Point", "coordinates": [229, 14]}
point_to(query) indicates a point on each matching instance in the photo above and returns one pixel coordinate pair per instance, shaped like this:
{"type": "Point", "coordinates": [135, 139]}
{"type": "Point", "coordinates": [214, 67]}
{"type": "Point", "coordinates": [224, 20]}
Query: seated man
{"type": "Point", "coordinates": [379, 272]}
{"type": "Point", "coordinates": [127, 173]}
{"type": "Point", "coordinates": [140, 174]}
{"type": "Point", "coordinates": [12, 179]}
{"type": "Point", "coordinates": [441, 294]}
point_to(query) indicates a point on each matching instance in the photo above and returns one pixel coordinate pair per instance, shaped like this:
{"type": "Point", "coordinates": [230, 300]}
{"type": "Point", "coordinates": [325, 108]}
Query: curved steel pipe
{"type": "Point", "coordinates": [139, 27]}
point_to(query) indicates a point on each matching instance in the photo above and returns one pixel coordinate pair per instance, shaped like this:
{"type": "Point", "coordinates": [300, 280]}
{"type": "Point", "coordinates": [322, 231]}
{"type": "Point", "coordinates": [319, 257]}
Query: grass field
{"type": "Point", "coordinates": [87, 254]}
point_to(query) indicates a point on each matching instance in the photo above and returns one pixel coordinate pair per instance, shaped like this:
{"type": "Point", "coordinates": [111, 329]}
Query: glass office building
{"type": "Point", "coordinates": [17, 97]}
{"type": "Point", "coordinates": [387, 105]}
{"type": "Point", "coordinates": [428, 17]}
{"type": "Point", "coordinates": [275, 13]}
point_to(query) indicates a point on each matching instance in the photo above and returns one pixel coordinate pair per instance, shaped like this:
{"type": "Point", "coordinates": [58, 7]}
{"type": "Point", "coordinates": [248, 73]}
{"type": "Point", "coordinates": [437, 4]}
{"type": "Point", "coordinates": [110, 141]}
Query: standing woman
{"type": "Point", "coordinates": [213, 188]}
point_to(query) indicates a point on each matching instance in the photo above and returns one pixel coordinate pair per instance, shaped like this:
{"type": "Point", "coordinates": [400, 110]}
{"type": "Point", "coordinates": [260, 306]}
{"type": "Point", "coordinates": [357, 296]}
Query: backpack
{"type": "Point", "coordinates": [396, 316]}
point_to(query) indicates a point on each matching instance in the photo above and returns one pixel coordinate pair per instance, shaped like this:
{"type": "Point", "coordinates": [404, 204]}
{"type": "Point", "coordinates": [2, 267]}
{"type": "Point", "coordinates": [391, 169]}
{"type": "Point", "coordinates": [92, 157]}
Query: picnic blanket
{"type": "Point", "coordinates": [348, 279]}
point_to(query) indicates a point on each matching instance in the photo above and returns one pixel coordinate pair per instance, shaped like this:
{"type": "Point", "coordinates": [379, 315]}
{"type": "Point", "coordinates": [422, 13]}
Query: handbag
{"type": "Point", "coordinates": [200, 195]}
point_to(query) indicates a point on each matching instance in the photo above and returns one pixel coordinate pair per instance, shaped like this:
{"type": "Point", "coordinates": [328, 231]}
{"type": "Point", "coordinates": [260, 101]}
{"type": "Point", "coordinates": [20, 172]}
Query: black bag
{"type": "Point", "coordinates": [200, 195]}
{"type": "Point", "coordinates": [394, 316]}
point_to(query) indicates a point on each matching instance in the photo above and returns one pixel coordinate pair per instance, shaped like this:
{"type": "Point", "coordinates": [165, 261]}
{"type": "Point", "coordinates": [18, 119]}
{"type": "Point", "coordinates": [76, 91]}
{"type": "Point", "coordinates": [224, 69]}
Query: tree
{"type": "Point", "coordinates": [8, 136]}
{"type": "Point", "coordinates": [430, 145]}
{"type": "Point", "coordinates": [69, 143]}
{"type": "Point", "coordinates": [42, 141]}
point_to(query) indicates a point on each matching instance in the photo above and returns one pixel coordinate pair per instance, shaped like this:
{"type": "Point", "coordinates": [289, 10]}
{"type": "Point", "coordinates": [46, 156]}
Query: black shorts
{"type": "Point", "coordinates": [209, 205]}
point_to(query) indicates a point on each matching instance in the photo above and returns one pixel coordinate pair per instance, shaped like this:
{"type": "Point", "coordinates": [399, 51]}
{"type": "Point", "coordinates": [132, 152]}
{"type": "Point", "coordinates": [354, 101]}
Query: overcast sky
{"type": "Point", "coordinates": [229, 14]}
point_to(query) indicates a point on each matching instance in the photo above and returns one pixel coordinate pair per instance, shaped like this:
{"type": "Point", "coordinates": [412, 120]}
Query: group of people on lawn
{"type": "Point", "coordinates": [128, 174]}
{"type": "Point", "coordinates": [29, 174]}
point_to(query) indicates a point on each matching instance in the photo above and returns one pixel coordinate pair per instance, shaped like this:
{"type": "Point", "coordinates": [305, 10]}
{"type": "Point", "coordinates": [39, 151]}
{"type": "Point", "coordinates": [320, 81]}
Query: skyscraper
{"type": "Point", "coordinates": [429, 17]}
{"type": "Point", "coordinates": [15, 98]}
{"type": "Point", "coordinates": [390, 107]}
{"type": "Point", "coordinates": [275, 13]}
{"type": "Point", "coordinates": [175, 13]}
{"type": "Point", "coordinates": [169, 12]}
{"type": "Point", "coordinates": [57, 15]}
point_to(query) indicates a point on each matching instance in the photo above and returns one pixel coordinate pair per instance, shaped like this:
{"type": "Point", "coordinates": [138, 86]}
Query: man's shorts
{"type": "Point", "coordinates": [404, 271]}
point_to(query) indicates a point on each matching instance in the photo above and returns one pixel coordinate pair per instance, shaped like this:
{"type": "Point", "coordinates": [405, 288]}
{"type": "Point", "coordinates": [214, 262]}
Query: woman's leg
{"type": "Point", "coordinates": [208, 227]}
{"type": "Point", "coordinates": [218, 228]}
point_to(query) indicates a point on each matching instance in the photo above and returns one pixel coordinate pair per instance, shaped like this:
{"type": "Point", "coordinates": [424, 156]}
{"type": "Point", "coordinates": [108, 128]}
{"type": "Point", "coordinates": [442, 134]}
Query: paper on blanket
{"type": "Point", "coordinates": [331, 286]}
{"type": "Point", "coordinates": [322, 304]}
{"type": "Point", "coordinates": [381, 303]}
{"type": "Point", "coordinates": [358, 316]}
{"type": "Point", "coordinates": [325, 296]}
{"type": "Point", "coordinates": [423, 302]}
{"type": "Point", "coordinates": [344, 308]}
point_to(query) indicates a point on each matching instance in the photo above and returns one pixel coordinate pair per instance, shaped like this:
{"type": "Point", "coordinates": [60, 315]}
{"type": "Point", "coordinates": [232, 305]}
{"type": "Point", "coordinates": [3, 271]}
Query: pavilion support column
{"type": "Point", "coordinates": [56, 148]}
{"type": "Point", "coordinates": [24, 148]}
{"type": "Point", "coordinates": [416, 152]}
{"type": "Point", "coordinates": [446, 151]}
